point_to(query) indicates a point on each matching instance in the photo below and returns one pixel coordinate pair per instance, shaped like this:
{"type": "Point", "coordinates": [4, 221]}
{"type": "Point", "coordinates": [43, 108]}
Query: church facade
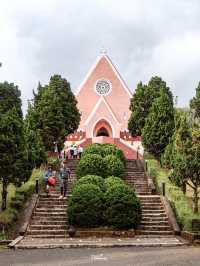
{"type": "Point", "coordinates": [103, 101]}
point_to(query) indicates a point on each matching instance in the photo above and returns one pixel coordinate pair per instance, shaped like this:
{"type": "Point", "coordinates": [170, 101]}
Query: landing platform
{"type": "Point", "coordinates": [31, 243]}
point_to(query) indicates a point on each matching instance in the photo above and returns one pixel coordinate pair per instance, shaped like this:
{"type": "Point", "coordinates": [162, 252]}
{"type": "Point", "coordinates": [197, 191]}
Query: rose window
{"type": "Point", "coordinates": [103, 87]}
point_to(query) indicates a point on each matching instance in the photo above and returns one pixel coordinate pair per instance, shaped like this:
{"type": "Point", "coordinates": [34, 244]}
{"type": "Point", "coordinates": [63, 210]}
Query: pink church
{"type": "Point", "coordinates": [103, 100]}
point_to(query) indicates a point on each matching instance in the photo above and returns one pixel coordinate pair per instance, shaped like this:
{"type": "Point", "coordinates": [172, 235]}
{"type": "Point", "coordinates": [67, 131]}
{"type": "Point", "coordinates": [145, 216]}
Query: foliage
{"type": "Point", "coordinates": [104, 150]}
{"type": "Point", "coordinates": [22, 194]}
{"type": "Point", "coordinates": [142, 101]}
{"type": "Point", "coordinates": [92, 179]}
{"type": "Point", "coordinates": [184, 211]}
{"type": "Point", "coordinates": [91, 164]}
{"type": "Point", "coordinates": [113, 166]}
{"type": "Point", "coordinates": [14, 165]}
{"type": "Point", "coordinates": [56, 113]}
{"type": "Point", "coordinates": [54, 162]}
{"type": "Point", "coordinates": [34, 144]}
{"type": "Point", "coordinates": [93, 149]}
{"type": "Point", "coordinates": [86, 206]}
{"type": "Point", "coordinates": [122, 207]}
{"type": "Point", "coordinates": [195, 103]}
{"type": "Point", "coordinates": [112, 181]}
{"type": "Point", "coordinates": [159, 125]}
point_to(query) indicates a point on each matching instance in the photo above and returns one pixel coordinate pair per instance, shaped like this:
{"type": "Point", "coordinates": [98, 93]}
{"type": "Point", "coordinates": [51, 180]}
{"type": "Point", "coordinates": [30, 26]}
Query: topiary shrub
{"type": "Point", "coordinates": [90, 164]}
{"type": "Point", "coordinates": [112, 181]}
{"type": "Point", "coordinates": [113, 166]}
{"type": "Point", "coordinates": [93, 149]}
{"type": "Point", "coordinates": [122, 207]}
{"type": "Point", "coordinates": [110, 149]}
{"type": "Point", "coordinates": [92, 179]}
{"type": "Point", "coordinates": [86, 206]}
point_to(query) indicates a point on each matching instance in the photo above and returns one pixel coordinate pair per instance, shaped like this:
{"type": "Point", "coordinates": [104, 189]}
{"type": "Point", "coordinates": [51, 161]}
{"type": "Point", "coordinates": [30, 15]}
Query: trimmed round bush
{"type": "Point", "coordinates": [86, 206]}
{"type": "Point", "coordinates": [113, 166]}
{"type": "Point", "coordinates": [110, 149]}
{"type": "Point", "coordinates": [90, 164]}
{"type": "Point", "coordinates": [112, 181]}
{"type": "Point", "coordinates": [122, 207]}
{"type": "Point", "coordinates": [92, 179]}
{"type": "Point", "coordinates": [93, 149]}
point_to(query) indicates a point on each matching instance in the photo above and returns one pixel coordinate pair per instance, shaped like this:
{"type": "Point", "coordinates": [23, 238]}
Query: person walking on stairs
{"type": "Point", "coordinates": [64, 176]}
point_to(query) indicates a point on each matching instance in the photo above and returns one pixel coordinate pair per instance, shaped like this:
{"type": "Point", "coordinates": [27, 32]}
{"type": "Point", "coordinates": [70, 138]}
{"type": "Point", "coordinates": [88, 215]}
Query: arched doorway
{"type": "Point", "coordinates": [102, 128]}
{"type": "Point", "coordinates": [102, 132]}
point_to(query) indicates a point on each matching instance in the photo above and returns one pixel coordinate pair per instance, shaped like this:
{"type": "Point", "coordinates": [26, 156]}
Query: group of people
{"type": "Point", "coordinates": [72, 152]}
{"type": "Point", "coordinates": [51, 179]}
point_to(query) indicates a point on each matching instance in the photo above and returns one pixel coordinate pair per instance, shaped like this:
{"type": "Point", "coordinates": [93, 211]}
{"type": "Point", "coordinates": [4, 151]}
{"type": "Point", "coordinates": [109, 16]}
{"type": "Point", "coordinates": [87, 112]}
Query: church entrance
{"type": "Point", "coordinates": [102, 128]}
{"type": "Point", "coordinates": [102, 132]}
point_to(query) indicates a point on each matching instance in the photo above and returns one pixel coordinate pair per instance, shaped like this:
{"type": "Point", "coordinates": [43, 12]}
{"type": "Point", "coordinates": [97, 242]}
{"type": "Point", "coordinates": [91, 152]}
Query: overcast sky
{"type": "Point", "coordinates": [142, 37]}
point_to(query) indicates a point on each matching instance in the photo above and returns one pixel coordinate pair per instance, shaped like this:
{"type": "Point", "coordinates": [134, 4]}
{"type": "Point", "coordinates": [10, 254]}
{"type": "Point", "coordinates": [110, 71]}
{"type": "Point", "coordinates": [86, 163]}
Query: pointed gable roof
{"type": "Point", "coordinates": [118, 99]}
{"type": "Point", "coordinates": [99, 60]}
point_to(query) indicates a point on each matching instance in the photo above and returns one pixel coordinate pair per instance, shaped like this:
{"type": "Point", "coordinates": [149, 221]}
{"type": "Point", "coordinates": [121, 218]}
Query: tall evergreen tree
{"type": "Point", "coordinates": [142, 101]}
{"type": "Point", "coordinates": [34, 145]}
{"type": "Point", "coordinates": [195, 103]}
{"type": "Point", "coordinates": [56, 111]}
{"type": "Point", "coordinates": [159, 125]}
{"type": "Point", "coordinates": [186, 166]}
{"type": "Point", "coordinates": [13, 157]}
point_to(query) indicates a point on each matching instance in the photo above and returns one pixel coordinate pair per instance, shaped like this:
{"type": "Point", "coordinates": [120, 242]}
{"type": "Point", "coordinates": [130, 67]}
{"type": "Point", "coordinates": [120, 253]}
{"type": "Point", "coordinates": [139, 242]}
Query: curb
{"type": "Point", "coordinates": [67, 246]}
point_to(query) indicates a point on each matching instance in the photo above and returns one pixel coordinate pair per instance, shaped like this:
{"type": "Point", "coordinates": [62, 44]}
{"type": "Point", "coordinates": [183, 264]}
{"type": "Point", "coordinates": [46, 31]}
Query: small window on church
{"type": "Point", "coordinates": [103, 87]}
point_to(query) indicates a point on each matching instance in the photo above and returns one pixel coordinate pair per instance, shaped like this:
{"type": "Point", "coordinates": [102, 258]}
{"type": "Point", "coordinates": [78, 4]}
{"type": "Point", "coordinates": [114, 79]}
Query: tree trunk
{"type": "Point", "coordinates": [184, 188]}
{"type": "Point", "coordinates": [195, 199]}
{"type": "Point", "coordinates": [4, 194]}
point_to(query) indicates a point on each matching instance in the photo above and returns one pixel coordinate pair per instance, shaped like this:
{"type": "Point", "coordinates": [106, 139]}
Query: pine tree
{"type": "Point", "coordinates": [195, 103]}
{"type": "Point", "coordinates": [56, 112]}
{"type": "Point", "coordinates": [13, 157]}
{"type": "Point", "coordinates": [159, 125]}
{"type": "Point", "coordinates": [142, 101]}
{"type": "Point", "coordinates": [34, 145]}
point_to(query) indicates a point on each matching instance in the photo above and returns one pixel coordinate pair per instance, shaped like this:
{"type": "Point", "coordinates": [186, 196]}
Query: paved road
{"type": "Point", "coordinates": [185, 256]}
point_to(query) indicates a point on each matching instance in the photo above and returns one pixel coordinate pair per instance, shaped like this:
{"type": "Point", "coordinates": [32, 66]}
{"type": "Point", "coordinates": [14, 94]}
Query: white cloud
{"type": "Point", "coordinates": [143, 37]}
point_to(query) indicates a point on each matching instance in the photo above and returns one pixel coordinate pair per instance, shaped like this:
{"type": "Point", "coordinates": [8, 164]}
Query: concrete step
{"type": "Point", "coordinates": [155, 227]}
{"type": "Point", "coordinates": [52, 232]}
{"type": "Point", "coordinates": [49, 222]}
{"type": "Point", "coordinates": [50, 214]}
{"type": "Point", "coordinates": [154, 219]}
{"type": "Point", "coordinates": [49, 236]}
{"type": "Point", "coordinates": [153, 211]}
{"type": "Point", "coordinates": [51, 206]}
{"type": "Point", "coordinates": [51, 210]}
{"type": "Point", "coordinates": [48, 227]}
{"type": "Point", "coordinates": [156, 233]}
{"type": "Point", "coordinates": [153, 223]}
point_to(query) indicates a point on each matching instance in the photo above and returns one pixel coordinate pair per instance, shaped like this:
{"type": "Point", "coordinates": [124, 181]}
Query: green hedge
{"type": "Point", "coordinates": [91, 179]}
{"type": "Point", "coordinates": [113, 166]}
{"type": "Point", "coordinates": [90, 164]}
{"type": "Point", "coordinates": [122, 207]}
{"type": "Point", "coordinates": [86, 206]}
{"type": "Point", "coordinates": [104, 150]}
{"type": "Point", "coordinates": [112, 181]}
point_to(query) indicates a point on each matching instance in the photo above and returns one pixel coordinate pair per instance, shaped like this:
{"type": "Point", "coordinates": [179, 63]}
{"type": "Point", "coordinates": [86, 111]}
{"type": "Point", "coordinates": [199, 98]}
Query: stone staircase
{"type": "Point", "coordinates": [72, 164]}
{"type": "Point", "coordinates": [154, 218]}
{"type": "Point", "coordinates": [48, 227]}
{"type": "Point", "coordinates": [135, 176]}
{"type": "Point", "coordinates": [49, 219]}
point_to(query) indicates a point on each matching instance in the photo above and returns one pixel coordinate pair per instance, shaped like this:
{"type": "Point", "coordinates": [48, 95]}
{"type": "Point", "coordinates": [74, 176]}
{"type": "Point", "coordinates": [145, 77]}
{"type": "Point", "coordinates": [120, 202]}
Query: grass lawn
{"type": "Point", "coordinates": [182, 203]}
{"type": "Point", "coordinates": [19, 195]}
